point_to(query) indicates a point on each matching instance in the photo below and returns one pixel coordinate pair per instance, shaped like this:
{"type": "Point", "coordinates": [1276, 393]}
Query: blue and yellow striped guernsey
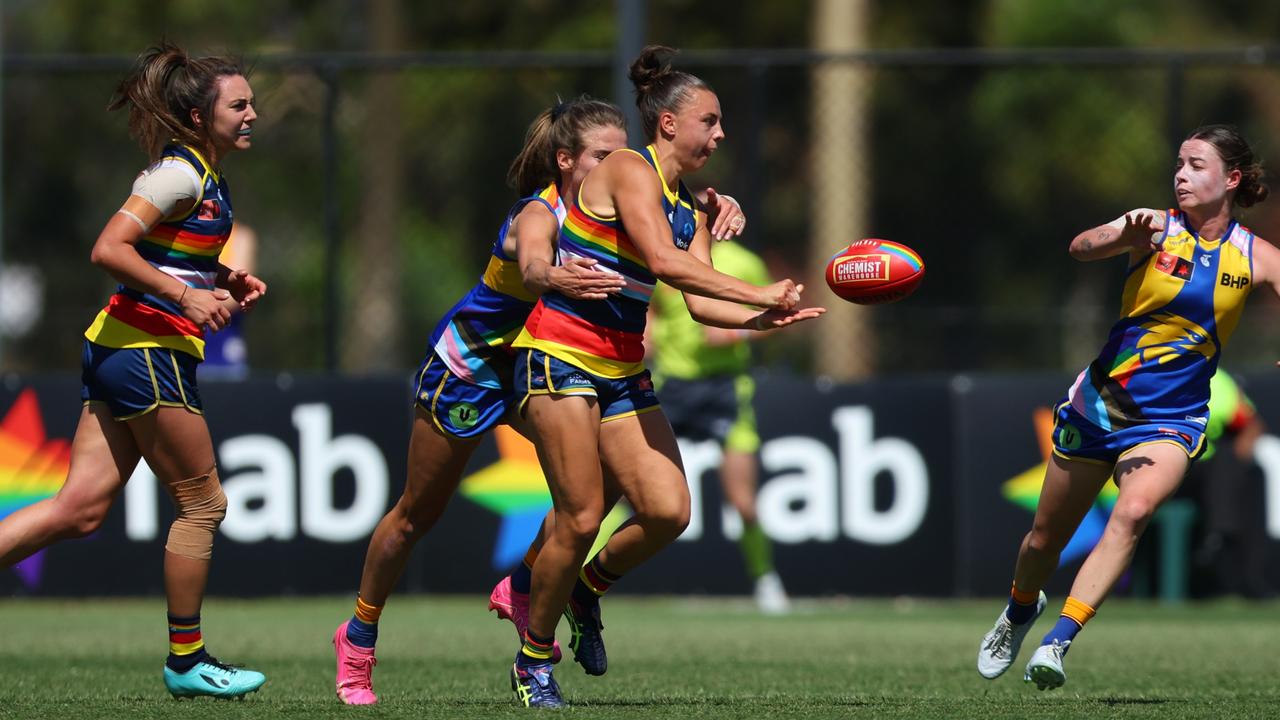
{"type": "Point", "coordinates": [1180, 306]}
{"type": "Point", "coordinates": [474, 337]}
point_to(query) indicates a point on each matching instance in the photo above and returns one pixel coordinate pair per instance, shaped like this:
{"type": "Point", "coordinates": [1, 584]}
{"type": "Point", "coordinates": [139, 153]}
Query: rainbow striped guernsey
{"type": "Point", "coordinates": [1181, 303]}
{"type": "Point", "coordinates": [605, 337]}
{"type": "Point", "coordinates": [186, 248]}
{"type": "Point", "coordinates": [474, 337]}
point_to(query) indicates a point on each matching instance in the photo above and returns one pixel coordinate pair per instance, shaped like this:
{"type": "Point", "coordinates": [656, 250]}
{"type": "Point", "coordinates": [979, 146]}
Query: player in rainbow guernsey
{"type": "Point", "coordinates": [465, 385]}
{"type": "Point", "coordinates": [1139, 411]}
{"type": "Point", "coordinates": [140, 354]}
{"type": "Point", "coordinates": [581, 367]}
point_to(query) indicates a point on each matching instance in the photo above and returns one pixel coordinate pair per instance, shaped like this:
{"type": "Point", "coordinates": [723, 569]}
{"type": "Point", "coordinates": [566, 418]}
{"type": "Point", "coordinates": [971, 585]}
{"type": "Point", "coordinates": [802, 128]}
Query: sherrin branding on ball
{"type": "Point", "coordinates": [873, 271]}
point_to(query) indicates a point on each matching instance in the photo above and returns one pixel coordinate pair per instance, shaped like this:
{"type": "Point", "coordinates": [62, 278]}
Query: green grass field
{"type": "Point", "coordinates": [445, 657]}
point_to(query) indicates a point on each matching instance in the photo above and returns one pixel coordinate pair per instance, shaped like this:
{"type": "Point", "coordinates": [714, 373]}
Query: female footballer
{"type": "Point", "coordinates": [141, 352]}
{"type": "Point", "coordinates": [581, 367]}
{"type": "Point", "coordinates": [1138, 412]}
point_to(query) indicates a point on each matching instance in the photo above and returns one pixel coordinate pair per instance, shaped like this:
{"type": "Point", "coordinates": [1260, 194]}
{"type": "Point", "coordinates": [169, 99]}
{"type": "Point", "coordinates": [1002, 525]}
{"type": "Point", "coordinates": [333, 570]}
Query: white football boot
{"type": "Point", "coordinates": [1000, 646]}
{"type": "Point", "coordinates": [1045, 667]}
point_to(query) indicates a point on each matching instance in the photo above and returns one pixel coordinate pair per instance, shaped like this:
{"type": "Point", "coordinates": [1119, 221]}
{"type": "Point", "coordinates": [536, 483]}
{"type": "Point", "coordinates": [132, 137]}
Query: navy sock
{"type": "Point", "coordinates": [1064, 632]}
{"type": "Point", "coordinates": [1020, 614]}
{"type": "Point", "coordinates": [521, 579]}
{"type": "Point", "coordinates": [362, 634]}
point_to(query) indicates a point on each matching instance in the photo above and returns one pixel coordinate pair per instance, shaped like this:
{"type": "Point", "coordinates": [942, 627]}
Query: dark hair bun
{"type": "Point", "coordinates": [650, 66]}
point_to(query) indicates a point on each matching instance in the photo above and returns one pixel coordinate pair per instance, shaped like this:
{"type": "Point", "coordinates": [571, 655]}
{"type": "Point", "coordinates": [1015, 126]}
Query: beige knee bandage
{"type": "Point", "coordinates": [201, 505]}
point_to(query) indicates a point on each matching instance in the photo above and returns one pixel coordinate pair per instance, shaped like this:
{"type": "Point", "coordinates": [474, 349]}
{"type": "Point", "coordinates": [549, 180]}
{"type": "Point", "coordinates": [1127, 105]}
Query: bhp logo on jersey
{"type": "Point", "coordinates": [1234, 281]}
{"type": "Point", "coordinates": [862, 268]}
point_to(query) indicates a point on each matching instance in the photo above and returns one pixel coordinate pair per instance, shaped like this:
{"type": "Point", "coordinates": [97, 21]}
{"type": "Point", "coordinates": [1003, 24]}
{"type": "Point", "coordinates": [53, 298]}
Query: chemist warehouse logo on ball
{"type": "Point", "coordinates": [32, 468]}
{"type": "Point", "coordinates": [1023, 490]}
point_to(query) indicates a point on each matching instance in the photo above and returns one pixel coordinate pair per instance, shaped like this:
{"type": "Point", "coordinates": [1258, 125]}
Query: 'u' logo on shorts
{"type": "Point", "coordinates": [463, 415]}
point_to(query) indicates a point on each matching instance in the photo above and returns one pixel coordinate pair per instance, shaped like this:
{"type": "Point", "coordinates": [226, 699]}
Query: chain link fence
{"type": "Point", "coordinates": [376, 187]}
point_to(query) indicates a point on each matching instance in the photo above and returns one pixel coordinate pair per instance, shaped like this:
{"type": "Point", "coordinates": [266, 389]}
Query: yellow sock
{"type": "Point", "coordinates": [367, 613]}
{"type": "Point", "coordinates": [1077, 611]}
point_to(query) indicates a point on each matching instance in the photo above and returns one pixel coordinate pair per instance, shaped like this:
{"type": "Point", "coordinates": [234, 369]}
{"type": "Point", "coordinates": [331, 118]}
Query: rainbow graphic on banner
{"type": "Point", "coordinates": [32, 468]}
{"type": "Point", "coordinates": [1024, 490]}
{"type": "Point", "coordinates": [515, 488]}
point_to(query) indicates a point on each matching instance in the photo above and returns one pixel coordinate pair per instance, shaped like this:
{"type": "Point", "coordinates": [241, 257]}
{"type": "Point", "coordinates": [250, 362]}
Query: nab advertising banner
{"type": "Point", "coordinates": [919, 487]}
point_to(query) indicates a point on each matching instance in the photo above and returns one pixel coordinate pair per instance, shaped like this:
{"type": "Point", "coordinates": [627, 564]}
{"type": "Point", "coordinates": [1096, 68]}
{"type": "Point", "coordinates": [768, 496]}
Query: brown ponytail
{"type": "Point", "coordinates": [162, 89]}
{"type": "Point", "coordinates": [563, 127]}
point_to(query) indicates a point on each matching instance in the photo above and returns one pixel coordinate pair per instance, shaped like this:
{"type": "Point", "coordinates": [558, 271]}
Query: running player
{"type": "Point", "coordinates": [464, 385]}
{"type": "Point", "coordinates": [1138, 412]}
{"type": "Point", "coordinates": [702, 374]}
{"type": "Point", "coordinates": [140, 354]}
{"type": "Point", "coordinates": [581, 366]}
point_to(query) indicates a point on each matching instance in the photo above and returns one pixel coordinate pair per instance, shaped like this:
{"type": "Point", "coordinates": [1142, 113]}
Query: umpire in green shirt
{"type": "Point", "coordinates": [703, 378]}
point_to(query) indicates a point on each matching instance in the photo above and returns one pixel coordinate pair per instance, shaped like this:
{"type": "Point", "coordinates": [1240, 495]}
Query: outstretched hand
{"type": "Point", "coordinates": [773, 319]}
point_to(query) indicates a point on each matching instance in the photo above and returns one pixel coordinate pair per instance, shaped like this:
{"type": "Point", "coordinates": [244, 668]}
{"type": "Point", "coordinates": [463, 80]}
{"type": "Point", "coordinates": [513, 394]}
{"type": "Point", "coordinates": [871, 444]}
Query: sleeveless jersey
{"type": "Point", "coordinates": [680, 342]}
{"type": "Point", "coordinates": [187, 249]}
{"type": "Point", "coordinates": [474, 337]}
{"type": "Point", "coordinates": [1180, 306]}
{"type": "Point", "coordinates": [606, 337]}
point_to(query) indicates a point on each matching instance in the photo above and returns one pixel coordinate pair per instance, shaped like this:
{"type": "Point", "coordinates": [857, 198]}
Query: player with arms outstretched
{"type": "Point", "coordinates": [1138, 412]}
{"type": "Point", "coordinates": [581, 366]}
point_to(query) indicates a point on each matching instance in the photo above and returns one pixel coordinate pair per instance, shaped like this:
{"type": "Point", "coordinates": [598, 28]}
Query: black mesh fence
{"type": "Point", "coordinates": [377, 188]}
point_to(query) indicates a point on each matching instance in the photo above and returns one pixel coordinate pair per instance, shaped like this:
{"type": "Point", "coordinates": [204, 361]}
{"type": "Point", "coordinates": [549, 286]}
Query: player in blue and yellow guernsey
{"type": "Point", "coordinates": [581, 366]}
{"type": "Point", "coordinates": [465, 384]}
{"type": "Point", "coordinates": [1139, 411]}
{"type": "Point", "coordinates": [141, 352]}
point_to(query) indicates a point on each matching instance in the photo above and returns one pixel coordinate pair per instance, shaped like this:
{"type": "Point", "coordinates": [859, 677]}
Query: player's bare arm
{"type": "Point", "coordinates": [1137, 231]}
{"type": "Point", "coordinates": [723, 314]}
{"type": "Point", "coordinates": [631, 187]}
{"type": "Point", "coordinates": [533, 234]}
{"type": "Point", "coordinates": [115, 251]}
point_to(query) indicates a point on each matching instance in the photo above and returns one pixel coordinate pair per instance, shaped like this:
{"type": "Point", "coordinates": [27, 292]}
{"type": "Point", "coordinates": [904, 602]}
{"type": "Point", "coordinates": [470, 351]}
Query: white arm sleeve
{"type": "Point", "coordinates": [168, 185]}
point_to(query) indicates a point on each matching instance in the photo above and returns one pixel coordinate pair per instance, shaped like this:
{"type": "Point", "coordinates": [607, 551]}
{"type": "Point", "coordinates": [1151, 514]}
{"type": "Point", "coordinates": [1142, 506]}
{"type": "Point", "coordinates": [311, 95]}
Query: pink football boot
{"type": "Point", "coordinates": [514, 606]}
{"type": "Point", "coordinates": [355, 670]}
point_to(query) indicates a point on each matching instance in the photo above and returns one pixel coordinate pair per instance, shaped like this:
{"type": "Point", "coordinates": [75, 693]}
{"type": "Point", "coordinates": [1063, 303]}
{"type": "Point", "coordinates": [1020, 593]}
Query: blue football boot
{"type": "Point", "coordinates": [212, 679]}
{"type": "Point", "coordinates": [587, 642]}
{"type": "Point", "coordinates": [534, 686]}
